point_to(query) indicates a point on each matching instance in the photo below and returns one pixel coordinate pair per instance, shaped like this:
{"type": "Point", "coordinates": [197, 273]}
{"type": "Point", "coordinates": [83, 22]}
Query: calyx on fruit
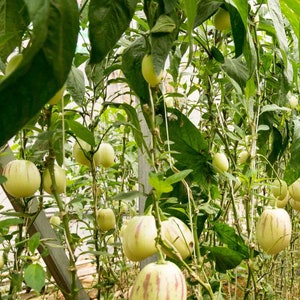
{"type": "Point", "coordinates": [159, 281]}
{"type": "Point", "coordinates": [148, 71]}
{"type": "Point", "coordinates": [178, 234]}
{"type": "Point", "coordinates": [106, 219]}
{"type": "Point", "coordinates": [221, 19]}
{"type": "Point", "coordinates": [274, 230]}
{"type": "Point", "coordinates": [23, 178]}
{"type": "Point", "coordinates": [220, 162]}
{"type": "Point", "coordinates": [60, 180]}
{"type": "Point", "coordinates": [138, 237]}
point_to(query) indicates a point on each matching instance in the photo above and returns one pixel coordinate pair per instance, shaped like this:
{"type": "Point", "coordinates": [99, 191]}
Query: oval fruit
{"type": "Point", "coordinates": [243, 157]}
{"type": "Point", "coordinates": [57, 97]}
{"type": "Point", "coordinates": [294, 190]}
{"type": "Point", "coordinates": [138, 238]}
{"type": "Point", "coordinates": [55, 220]}
{"type": "Point", "coordinates": [221, 20]}
{"type": "Point", "coordinates": [60, 180]}
{"type": "Point", "coordinates": [279, 189]}
{"type": "Point", "coordinates": [179, 235]}
{"type": "Point", "coordinates": [220, 162]}
{"type": "Point", "coordinates": [106, 219]}
{"type": "Point", "coordinates": [13, 63]}
{"type": "Point", "coordinates": [1, 260]}
{"type": "Point", "coordinates": [158, 281]}
{"type": "Point", "coordinates": [23, 178]}
{"type": "Point", "coordinates": [105, 155]}
{"type": "Point", "coordinates": [148, 71]}
{"type": "Point", "coordinates": [294, 204]}
{"type": "Point", "coordinates": [274, 230]}
{"type": "Point", "coordinates": [80, 156]}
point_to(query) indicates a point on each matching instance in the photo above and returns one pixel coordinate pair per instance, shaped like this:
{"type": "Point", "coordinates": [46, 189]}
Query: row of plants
{"type": "Point", "coordinates": [217, 84]}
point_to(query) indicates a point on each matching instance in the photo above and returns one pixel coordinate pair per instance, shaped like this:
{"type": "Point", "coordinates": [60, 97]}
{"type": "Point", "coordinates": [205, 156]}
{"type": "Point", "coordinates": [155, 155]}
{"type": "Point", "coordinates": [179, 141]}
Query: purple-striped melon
{"type": "Point", "coordinates": [274, 230]}
{"type": "Point", "coordinates": [139, 238]}
{"type": "Point", "coordinates": [159, 281]}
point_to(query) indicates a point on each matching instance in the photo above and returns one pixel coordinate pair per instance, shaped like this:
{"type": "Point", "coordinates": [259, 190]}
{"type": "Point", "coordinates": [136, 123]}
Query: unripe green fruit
{"type": "Point", "coordinates": [221, 20]}
{"type": "Point", "coordinates": [279, 189]}
{"type": "Point", "coordinates": [243, 157]}
{"type": "Point", "coordinates": [148, 71]}
{"type": "Point", "coordinates": [13, 63]}
{"type": "Point", "coordinates": [159, 281]}
{"type": "Point", "coordinates": [220, 162]}
{"type": "Point", "coordinates": [55, 220]}
{"type": "Point", "coordinates": [60, 180]}
{"type": "Point", "coordinates": [23, 178]}
{"type": "Point", "coordinates": [106, 219]}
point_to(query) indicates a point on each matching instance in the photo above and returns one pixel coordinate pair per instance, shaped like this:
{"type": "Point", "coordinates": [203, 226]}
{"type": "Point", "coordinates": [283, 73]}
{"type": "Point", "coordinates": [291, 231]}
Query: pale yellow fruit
{"type": "Point", "coordinates": [106, 155]}
{"type": "Point", "coordinates": [13, 63]}
{"type": "Point", "coordinates": [148, 71]}
{"type": "Point", "coordinates": [221, 20]}
{"type": "Point", "coordinates": [294, 190]}
{"type": "Point", "coordinates": [23, 178]}
{"type": "Point", "coordinates": [159, 281]}
{"type": "Point", "coordinates": [243, 157]}
{"type": "Point", "coordinates": [1, 260]}
{"type": "Point", "coordinates": [220, 162]}
{"type": "Point", "coordinates": [279, 189]}
{"type": "Point", "coordinates": [60, 180]}
{"type": "Point", "coordinates": [293, 101]}
{"type": "Point", "coordinates": [294, 204]}
{"type": "Point", "coordinates": [80, 156]}
{"type": "Point", "coordinates": [106, 219]}
{"type": "Point", "coordinates": [274, 230]}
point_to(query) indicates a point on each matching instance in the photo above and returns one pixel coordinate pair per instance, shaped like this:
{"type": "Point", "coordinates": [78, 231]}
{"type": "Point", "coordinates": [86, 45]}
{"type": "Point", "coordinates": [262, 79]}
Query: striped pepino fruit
{"type": "Point", "coordinates": [138, 238]}
{"type": "Point", "coordinates": [159, 281]}
{"type": "Point", "coordinates": [274, 230]}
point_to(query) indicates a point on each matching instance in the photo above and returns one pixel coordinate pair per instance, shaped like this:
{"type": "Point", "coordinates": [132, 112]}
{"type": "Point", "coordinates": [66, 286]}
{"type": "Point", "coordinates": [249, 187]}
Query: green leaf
{"type": "Point", "coordinates": [178, 176]}
{"type": "Point", "coordinates": [11, 222]}
{"type": "Point", "coordinates": [2, 179]}
{"type": "Point", "coordinates": [107, 22]}
{"type": "Point", "coordinates": [81, 132]}
{"type": "Point", "coordinates": [75, 85]}
{"type": "Point", "coordinates": [45, 65]}
{"type": "Point", "coordinates": [292, 170]}
{"type": "Point", "coordinates": [188, 146]}
{"type": "Point", "coordinates": [132, 69]}
{"type": "Point", "coordinates": [224, 257]}
{"type": "Point", "coordinates": [13, 22]}
{"type": "Point", "coordinates": [159, 184]}
{"type": "Point", "coordinates": [236, 70]}
{"type": "Point", "coordinates": [34, 276]}
{"type": "Point", "coordinates": [227, 235]}
{"type": "Point", "coordinates": [34, 242]}
{"type": "Point", "coordinates": [205, 9]}
{"type": "Point", "coordinates": [164, 24]}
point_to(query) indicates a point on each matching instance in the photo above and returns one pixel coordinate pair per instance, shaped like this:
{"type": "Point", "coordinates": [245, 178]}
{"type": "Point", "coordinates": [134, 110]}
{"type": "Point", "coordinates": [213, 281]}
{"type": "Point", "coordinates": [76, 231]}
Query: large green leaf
{"type": "Point", "coordinates": [225, 258]}
{"type": "Point", "coordinates": [76, 85]}
{"type": "Point", "coordinates": [228, 236]}
{"type": "Point", "coordinates": [13, 22]}
{"type": "Point", "coordinates": [205, 9]}
{"type": "Point", "coordinates": [188, 146]}
{"type": "Point", "coordinates": [107, 22]}
{"type": "Point", "coordinates": [35, 276]}
{"type": "Point", "coordinates": [132, 69]}
{"type": "Point", "coordinates": [45, 66]}
{"type": "Point", "coordinates": [292, 170]}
